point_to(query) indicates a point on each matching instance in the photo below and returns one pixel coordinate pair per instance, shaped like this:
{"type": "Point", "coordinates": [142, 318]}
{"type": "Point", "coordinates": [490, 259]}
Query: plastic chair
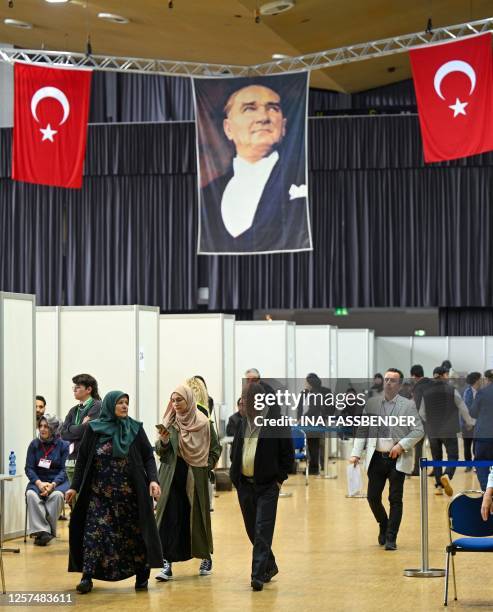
{"type": "Point", "coordinates": [300, 448]}
{"type": "Point", "coordinates": [464, 518]}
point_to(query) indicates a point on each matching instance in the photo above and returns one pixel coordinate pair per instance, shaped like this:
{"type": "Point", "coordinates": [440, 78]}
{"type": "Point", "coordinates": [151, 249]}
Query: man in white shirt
{"type": "Point", "coordinates": [389, 454]}
{"type": "Point", "coordinates": [260, 204]}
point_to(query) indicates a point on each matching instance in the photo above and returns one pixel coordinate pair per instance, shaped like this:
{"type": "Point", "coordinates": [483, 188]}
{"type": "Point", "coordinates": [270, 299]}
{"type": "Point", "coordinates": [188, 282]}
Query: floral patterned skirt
{"type": "Point", "coordinates": [113, 547]}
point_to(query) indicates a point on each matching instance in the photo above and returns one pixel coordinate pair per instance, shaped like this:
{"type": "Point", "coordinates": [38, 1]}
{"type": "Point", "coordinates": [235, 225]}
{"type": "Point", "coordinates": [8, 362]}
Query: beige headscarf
{"type": "Point", "coordinates": [193, 428]}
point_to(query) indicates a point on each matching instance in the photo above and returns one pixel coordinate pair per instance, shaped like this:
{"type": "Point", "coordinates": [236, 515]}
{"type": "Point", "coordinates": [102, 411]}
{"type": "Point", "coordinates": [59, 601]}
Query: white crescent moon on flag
{"type": "Point", "coordinates": [50, 92]}
{"type": "Point", "coordinates": [454, 66]}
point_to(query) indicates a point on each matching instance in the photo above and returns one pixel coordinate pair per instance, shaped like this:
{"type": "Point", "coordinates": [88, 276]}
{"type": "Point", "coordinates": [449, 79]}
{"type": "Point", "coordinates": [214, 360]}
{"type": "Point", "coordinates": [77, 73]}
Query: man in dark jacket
{"type": "Point", "coordinates": [234, 420]}
{"type": "Point", "coordinates": [440, 409]}
{"type": "Point", "coordinates": [421, 383]}
{"type": "Point", "coordinates": [482, 410]}
{"type": "Point", "coordinates": [75, 424]}
{"type": "Point", "coordinates": [261, 457]}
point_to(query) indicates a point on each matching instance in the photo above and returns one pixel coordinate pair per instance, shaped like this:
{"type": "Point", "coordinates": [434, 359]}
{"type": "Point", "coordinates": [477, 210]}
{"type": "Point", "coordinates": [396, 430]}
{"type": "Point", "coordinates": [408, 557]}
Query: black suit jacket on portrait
{"type": "Point", "coordinates": [279, 224]}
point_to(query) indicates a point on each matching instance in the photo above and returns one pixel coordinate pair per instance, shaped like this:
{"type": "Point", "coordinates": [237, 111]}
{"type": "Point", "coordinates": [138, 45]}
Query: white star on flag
{"type": "Point", "coordinates": [458, 107]}
{"type": "Point", "coordinates": [48, 133]}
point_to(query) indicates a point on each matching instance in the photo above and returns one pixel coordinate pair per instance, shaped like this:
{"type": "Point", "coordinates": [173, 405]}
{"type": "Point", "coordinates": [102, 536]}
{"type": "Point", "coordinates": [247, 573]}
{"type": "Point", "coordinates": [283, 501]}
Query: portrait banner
{"type": "Point", "coordinates": [252, 164]}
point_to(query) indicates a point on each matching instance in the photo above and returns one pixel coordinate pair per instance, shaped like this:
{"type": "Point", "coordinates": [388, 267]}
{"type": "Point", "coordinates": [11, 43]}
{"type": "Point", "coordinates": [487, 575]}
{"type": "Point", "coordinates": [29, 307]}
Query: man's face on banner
{"type": "Point", "coordinates": [254, 122]}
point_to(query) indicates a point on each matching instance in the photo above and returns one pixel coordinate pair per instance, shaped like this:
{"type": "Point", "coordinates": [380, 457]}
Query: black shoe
{"type": "Point", "coordinates": [390, 545]}
{"type": "Point", "coordinates": [269, 574]}
{"type": "Point", "coordinates": [415, 473]}
{"type": "Point", "coordinates": [468, 469]}
{"type": "Point", "coordinates": [84, 586]}
{"type": "Point", "coordinates": [43, 538]}
{"type": "Point", "coordinates": [141, 580]}
{"type": "Point", "coordinates": [382, 535]}
{"type": "Point", "coordinates": [257, 585]}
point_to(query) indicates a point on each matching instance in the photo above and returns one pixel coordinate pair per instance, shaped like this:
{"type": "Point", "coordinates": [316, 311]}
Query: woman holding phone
{"type": "Point", "coordinates": [187, 452]}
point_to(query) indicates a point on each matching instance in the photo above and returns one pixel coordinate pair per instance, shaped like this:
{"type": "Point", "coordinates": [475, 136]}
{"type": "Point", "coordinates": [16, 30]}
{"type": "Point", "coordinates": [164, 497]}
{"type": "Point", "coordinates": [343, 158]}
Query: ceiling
{"type": "Point", "coordinates": [224, 31]}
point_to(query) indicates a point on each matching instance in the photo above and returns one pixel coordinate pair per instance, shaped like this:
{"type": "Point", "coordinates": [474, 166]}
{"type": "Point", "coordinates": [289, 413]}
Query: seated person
{"type": "Point", "coordinates": [45, 468]}
{"type": "Point", "coordinates": [234, 420]}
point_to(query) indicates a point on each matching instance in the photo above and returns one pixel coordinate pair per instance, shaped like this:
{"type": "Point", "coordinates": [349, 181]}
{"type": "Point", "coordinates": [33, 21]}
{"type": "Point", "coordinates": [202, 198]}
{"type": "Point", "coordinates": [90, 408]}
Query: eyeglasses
{"type": "Point", "coordinates": [392, 380]}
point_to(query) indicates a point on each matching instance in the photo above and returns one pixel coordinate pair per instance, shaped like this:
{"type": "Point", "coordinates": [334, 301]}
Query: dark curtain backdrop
{"type": "Point", "coordinates": [126, 97]}
{"type": "Point", "coordinates": [465, 321]}
{"type": "Point", "coordinates": [388, 230]}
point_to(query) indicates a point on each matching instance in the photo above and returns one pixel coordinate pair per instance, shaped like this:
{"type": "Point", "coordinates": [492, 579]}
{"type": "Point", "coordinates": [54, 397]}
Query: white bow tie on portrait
{"type": "Point", "coordinates": [297, 191]}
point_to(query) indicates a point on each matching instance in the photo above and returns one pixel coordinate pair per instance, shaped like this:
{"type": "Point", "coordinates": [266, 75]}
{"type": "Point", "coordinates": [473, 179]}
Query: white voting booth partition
{"type": "Point", "coordinates": [17, 382]}
{"type": "Point", "coordinates": [466, 353]}
{"type": "Point", "coordinates": [394, 352]}
{"type": "Point", "coordinates": [268, 346]}
{"type": "Point", "coordinates": [355, 354]}
{"type": "Point", "coordinates": [118, 345]}
{"type": "Point", "coordinates": [314, 351]}
{"type": "Point", "coordinates": [198, 344]}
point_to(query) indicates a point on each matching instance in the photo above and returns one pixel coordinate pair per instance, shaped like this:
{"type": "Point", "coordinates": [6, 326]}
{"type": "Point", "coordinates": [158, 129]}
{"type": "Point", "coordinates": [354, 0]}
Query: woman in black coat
{"type": "Point", "coordinates": [113, 533]}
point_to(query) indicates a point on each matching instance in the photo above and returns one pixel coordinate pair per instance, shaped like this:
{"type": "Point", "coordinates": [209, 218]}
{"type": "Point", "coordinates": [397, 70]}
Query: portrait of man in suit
{"type": "Point", "coordinates": [258, 204]}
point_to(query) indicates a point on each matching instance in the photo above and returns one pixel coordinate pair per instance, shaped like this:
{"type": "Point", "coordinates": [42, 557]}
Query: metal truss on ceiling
{"type": "Point", "coordinates": [311, 61]}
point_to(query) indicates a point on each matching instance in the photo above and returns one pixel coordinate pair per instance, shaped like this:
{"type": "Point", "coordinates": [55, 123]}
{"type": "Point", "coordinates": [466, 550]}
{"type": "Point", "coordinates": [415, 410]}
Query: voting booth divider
{"type": "Point", "coordinates": [17, 384]}
{"type": "Point", "coordinates": [316, 351]}
{"type": "Point", "coordinates": [355, 354]}
{"type": "Point", "coordinates": [200, 344]}
{"type": "Point", "coordinates": [466, 353]}
{"type": "Point", "coordinates": [118, 345]}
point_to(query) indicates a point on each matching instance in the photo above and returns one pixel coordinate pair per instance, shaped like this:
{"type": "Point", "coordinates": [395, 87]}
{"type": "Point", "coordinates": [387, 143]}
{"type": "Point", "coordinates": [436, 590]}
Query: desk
{"type": "Point", "coordinates": [3, 478]}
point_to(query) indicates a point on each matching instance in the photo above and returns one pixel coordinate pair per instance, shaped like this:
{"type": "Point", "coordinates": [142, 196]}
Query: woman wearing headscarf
{"type": "Point", "coordinates": [48, 482]}
{"type": "Point", "coordinates": [187, 455]}
{"type": "Point", "coordinates": [113, 533]}
{"type": "Point", "coordinates": [201, 395]}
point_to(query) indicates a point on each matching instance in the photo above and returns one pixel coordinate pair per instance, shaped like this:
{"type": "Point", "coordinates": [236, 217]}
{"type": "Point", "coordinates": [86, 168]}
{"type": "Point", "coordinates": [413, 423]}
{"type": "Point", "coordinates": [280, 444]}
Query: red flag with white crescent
{"type": "Point", "coordinates": [51, 108]}
{"type": "Point", "coordinates": [454, 91]}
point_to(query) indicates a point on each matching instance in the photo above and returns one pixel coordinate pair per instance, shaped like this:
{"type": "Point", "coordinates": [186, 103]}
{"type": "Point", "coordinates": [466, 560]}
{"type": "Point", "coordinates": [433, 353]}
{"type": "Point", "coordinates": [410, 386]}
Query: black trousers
{"type": "Point", "coordinates": [467, 438]}
{"type": "Point", "coordinates": [452, 448]}
{"type": "Point", "coordinates": [314, 454]}
{"type": "Point", "coordinates": [258, 505]}
{"type": "Point", "coordinates": [380, 470]}
{"type": "Point", "coordinates": [483, 451]}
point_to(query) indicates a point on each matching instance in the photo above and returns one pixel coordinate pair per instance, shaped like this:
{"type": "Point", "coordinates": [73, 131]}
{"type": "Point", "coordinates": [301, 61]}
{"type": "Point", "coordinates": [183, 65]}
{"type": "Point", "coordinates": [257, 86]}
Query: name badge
{"type": "Point", "coordinates": [44, 463]}
{"type": "Point", "coordinates": [71, 448]}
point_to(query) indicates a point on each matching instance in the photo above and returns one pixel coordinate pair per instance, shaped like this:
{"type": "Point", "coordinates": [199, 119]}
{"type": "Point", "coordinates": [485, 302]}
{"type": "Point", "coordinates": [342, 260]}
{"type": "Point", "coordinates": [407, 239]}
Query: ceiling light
{"type": "Point", "coordinates": [280, 56]}
{"type": "Point", "coordinates": [113, 18]}
{"type": "Point", "coordinates": [57, 1]}
{"type": "Point", "coordinates": [276, 7]}
{"type": "Point", "coordinates": [15, 23]}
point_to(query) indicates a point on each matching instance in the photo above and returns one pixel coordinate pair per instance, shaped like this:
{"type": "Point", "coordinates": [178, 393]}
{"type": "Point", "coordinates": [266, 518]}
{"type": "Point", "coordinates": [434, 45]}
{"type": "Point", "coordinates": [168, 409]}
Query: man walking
{"type": "Point", "coordinates": [389, 454]}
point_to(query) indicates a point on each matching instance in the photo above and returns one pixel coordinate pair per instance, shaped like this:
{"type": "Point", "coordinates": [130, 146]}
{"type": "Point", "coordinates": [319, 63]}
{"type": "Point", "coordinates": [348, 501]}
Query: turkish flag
{"type": "Point", "coordinates": [51, 107]}
{"type": "Point", "coordinates": [454, 90]}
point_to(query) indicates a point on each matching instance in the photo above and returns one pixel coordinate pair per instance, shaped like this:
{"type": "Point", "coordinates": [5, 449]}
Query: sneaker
{"type": "Point", "coordinates": [43, 538]}
{"type": "Point", "coordinates": [166, 573]}
{"type": "Point", "coordinates": [205, 567]}
{"type": "Point", "coordinates": [447, 487]}
{"type": "Point", "coordinates": [438, 490]}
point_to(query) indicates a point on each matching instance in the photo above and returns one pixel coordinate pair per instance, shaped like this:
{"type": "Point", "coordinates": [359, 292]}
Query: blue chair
{"type": "Point", "coordinates": [300, 448]}
{"type": "Point", "coordinates": [464, 518]}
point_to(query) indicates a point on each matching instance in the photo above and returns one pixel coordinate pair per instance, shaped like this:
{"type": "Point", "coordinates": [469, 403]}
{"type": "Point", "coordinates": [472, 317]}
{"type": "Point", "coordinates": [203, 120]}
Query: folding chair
{"type": "Point", "coordinates": [464, 518]}
{"type": "Point", "coordinates": [300, 448]}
